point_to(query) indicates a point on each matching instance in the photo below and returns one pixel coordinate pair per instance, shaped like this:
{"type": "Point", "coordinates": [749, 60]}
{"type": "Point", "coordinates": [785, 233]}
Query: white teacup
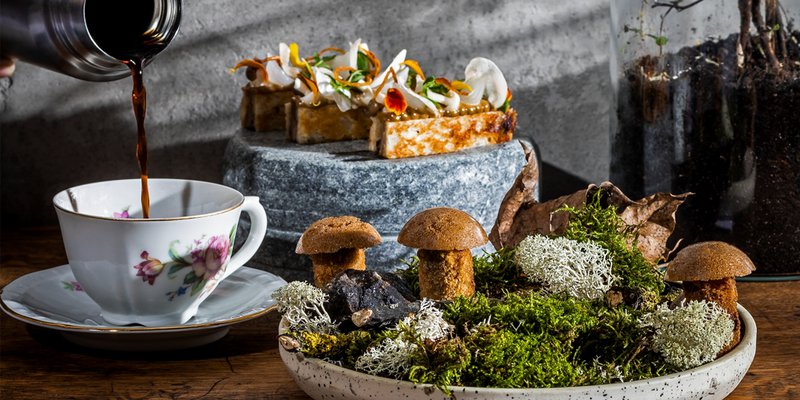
{"type": "Point", "coordinates": [156, 271]}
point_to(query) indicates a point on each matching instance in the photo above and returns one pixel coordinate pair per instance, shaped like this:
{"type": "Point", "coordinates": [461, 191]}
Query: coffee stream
{"type": "Point", "coordinates": [132, 40]}
{"type": "Point", "coordinates": [139, 100]}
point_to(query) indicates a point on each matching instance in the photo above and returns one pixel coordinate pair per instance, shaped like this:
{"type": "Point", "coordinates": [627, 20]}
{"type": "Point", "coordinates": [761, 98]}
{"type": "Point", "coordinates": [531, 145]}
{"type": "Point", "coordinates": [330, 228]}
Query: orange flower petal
{"type": "Point", "coordinates": [509, 96]}
{"type": "Point", "coordinates": [415, 67]}
{"type": "Point", "coordinates": [390, 72]}
{"type": "Point", "coordinates": [395, 101]}
{"type": "Point", "coordinates": [252, 63]}
{"type": "Point", "coordinates": [312, 86]}
{"type": "Point", "coordinates": [461, 87]}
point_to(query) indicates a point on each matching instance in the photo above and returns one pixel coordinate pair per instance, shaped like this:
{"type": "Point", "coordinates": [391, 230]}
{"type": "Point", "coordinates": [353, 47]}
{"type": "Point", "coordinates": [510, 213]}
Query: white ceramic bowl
{"type": "Point", "coordinates": [715, 380]}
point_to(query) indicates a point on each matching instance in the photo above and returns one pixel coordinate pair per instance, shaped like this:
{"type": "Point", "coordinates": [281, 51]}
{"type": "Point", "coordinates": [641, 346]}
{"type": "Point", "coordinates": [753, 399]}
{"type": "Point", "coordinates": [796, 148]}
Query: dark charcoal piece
{"type": "Point", "coordinates": [400, 284]}
{"type": "Point", "coordinates": [352, 291]}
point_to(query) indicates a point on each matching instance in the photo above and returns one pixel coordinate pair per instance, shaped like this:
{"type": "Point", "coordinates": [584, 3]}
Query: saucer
{"type": "Point", "coordinates": [53, 299]}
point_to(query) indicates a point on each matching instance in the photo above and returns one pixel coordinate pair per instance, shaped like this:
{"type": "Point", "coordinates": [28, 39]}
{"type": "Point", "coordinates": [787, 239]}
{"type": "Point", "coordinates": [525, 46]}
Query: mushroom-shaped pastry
{"type": "Point", "coordinates": [336, 244]}
{"type": "Point", "coordinates": [444, 237]}
{"type": "Point", "coordinates": [708, 271]}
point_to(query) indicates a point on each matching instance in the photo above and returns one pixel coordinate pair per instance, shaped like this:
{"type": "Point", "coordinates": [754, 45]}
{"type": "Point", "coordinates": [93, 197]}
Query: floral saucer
{"type": "Point", "coordinates": [53, 299]}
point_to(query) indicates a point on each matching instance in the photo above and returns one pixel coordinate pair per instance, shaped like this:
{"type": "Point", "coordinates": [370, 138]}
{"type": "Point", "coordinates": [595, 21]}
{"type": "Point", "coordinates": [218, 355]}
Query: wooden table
{"type": "Point", "coordinates": [39, 363]}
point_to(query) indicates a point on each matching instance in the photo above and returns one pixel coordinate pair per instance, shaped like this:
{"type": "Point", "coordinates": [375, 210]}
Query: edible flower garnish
{"type": "Point", "coordinates": [373, 60]}
{"type": "Point", "coordinates": [389, 72]}
{"type": "Point", "coordinates": [461, 87]}
{"type": "Point", "coordinates": [320, 61]}
{"type": "Point", "coordinates": [356, 78]}
{"type": "Point", "coordinates": [294, 57]}
{"type": "Point", "coordinates": [312, 86]}
{"type": "Point", "coordinates": [395, 101]}
{"type": "Point", "coordinates": [254, 64]}
{"type": "Point", "coordinates": [414, 67]}
{"type": "Point", "coordinates": [507, 103]}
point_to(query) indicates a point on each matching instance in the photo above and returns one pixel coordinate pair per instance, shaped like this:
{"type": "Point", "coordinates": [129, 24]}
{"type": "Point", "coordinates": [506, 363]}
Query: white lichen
{"type": "Point", "coordinates": [580, 269]}
{"type": "Point", "coordinates": [394, 356]}
{"type": "Point", "coordinates": [426, 324]}
{"type": "Point", "coordinates": [689, 335]}
{"type": "Point", "coordinates": [391, 357]}
{"type": "Point", "coordinates": [303, 307]}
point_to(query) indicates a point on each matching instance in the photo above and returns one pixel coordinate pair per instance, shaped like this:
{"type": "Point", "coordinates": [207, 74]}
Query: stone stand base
{"type": "Point", "coordinates": [299, 184]}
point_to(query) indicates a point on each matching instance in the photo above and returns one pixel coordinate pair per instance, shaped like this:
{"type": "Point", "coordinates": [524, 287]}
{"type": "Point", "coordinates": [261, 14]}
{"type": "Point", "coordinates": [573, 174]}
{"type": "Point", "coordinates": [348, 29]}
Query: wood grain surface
{"type": "Point", "coordinates": [37, 363]}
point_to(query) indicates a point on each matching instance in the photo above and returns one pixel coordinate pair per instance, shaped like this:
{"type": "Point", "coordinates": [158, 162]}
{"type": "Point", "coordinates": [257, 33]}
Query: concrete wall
{"type": "Point", "coordinates": [57, 131]}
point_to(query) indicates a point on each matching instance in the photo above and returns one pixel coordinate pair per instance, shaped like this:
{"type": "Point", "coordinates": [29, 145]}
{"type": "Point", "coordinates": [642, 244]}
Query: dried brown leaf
{"type": "Point", "coordinates": [520, 215]}
{"type": "Point", "coordinates": [655, 217]}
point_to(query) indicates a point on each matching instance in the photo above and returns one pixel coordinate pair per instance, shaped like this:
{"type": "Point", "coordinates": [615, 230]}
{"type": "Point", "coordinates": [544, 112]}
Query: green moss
{"type": "Point", "coordinates": [496, 273]}
{"type": "Point", "coordinates": [529, 313]}
{"type": "Point", "coordinates": [345, 347]}
{"type": "Point", "coordinates": [538, 360]}
{"type": "Point", "coordinates": [576, 342]}
{"type": "Point", "coordinates": [605, 227]}
{"type": "Point", "coordinates": [441, 363]}
{"type": "Point", "coordinates": [410, 274]}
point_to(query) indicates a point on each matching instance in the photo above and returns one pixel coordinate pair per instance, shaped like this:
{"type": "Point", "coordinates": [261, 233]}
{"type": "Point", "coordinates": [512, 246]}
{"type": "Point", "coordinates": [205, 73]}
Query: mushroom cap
{"type": "Point", "coordinates": [706, 261]}
{"type": "Point", "coordinates": [332, 234]}
{"type": "Point", "coordinates": [443, 229]}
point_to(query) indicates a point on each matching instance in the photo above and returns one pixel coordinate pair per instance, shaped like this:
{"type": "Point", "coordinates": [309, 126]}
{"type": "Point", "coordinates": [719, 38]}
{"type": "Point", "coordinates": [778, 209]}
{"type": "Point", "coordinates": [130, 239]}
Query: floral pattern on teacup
{"type": "Point", "coordinates": [206, 258]}
{"type": "Point", "coordinates": [150, 268]}
{"type": "Point", "coordinates": [123, 214]}
{"type": "Point", "coordinates": [72, 286]}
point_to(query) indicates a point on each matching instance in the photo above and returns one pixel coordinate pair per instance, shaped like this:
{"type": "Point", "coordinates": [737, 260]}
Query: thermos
{"type": "Point", "coordinates": [86, 39]}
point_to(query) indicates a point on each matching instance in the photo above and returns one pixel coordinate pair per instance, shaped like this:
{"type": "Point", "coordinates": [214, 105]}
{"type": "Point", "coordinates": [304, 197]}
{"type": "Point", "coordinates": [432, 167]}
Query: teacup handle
{"type": "Point", "coordinates": [258, 228]}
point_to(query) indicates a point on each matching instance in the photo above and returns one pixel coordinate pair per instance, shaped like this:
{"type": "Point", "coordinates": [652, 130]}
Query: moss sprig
{"type": "Point", "coordinates": [603, 226]}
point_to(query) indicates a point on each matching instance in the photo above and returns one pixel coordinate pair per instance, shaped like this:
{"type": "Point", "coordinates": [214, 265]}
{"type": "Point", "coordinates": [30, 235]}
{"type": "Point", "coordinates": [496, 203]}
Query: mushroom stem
{"type": "Point", "coordinates": [445, 275]}
{"type": "Point", "coordinates": [328, 265]}
{"type": "Point", "coordinates": [720, 291]}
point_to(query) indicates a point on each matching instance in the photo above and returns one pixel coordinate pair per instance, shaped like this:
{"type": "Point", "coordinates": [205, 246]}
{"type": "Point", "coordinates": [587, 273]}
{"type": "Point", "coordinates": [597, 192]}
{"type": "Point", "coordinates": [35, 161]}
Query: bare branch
{"type": "Point", "coordinates": [764, 33]}
{"type": "Point", "coordinates": [773, 14]}
{"type": "Point", "coordinates": [746, 16]}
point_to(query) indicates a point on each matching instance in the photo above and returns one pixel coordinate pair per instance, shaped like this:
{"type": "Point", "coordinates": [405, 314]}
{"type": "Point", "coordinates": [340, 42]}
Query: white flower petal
{"type": "Point", "coordinates": [286, 65]}
{"type": "Point", "coordinates": [395, 65]}
{"type": "Point", "coordinates": [277, 75]}
{"type": "Point", "coordinates": [452, 101]}
{"type": "Point", "coordinates": [342, 101]}
{"type": "Point", "coordinates": [474, 97]}
{"type": "Point", "coordinates": [417, 102]}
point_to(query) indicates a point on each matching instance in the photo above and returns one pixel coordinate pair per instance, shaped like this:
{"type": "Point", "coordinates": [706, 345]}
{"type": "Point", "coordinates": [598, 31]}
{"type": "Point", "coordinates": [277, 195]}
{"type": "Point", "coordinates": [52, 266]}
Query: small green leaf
{"type": "Point", "coordinates": [411, 81]}
{"type": "Point", "coordinates": [173, 254]}
{"type": "Point", "coordinates": [190, 278]}
{"type": "Point", "coordinates": [661, 40]}
{"type": "Point", "coordinates": [362, 61]}
{"type": "Point", "coordinates": [776, 27]}
{"type": "Point", "coordinates": [232, 235]}
{"type": "Point", "coordinates": [198, 285]}
{"type": "Point", "coordinates": [173, 268]}
{"type": "Point", "coordinates": [506, 105]}
{"type": "Point", "coordinates": [356, 76]}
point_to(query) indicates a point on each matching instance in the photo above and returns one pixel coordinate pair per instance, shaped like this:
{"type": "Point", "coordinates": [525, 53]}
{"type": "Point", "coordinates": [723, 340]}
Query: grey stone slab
{"type": "Point", "coordinates": [299, 184]}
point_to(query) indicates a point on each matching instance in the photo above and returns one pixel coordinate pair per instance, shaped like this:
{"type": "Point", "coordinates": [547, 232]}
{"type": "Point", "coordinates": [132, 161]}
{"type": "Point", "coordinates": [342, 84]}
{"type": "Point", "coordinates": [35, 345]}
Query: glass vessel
{"type": "Point", "coordinates": [708, 102]}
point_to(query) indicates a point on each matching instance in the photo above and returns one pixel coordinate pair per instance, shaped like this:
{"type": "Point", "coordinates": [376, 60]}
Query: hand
{"type": "Point", "coordinates": [7, 66]}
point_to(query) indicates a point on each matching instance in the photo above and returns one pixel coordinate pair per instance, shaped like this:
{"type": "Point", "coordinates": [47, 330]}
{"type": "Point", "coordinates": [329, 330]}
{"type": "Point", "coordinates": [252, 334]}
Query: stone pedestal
{"type": "Point", "coordinates": [299, 184]}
